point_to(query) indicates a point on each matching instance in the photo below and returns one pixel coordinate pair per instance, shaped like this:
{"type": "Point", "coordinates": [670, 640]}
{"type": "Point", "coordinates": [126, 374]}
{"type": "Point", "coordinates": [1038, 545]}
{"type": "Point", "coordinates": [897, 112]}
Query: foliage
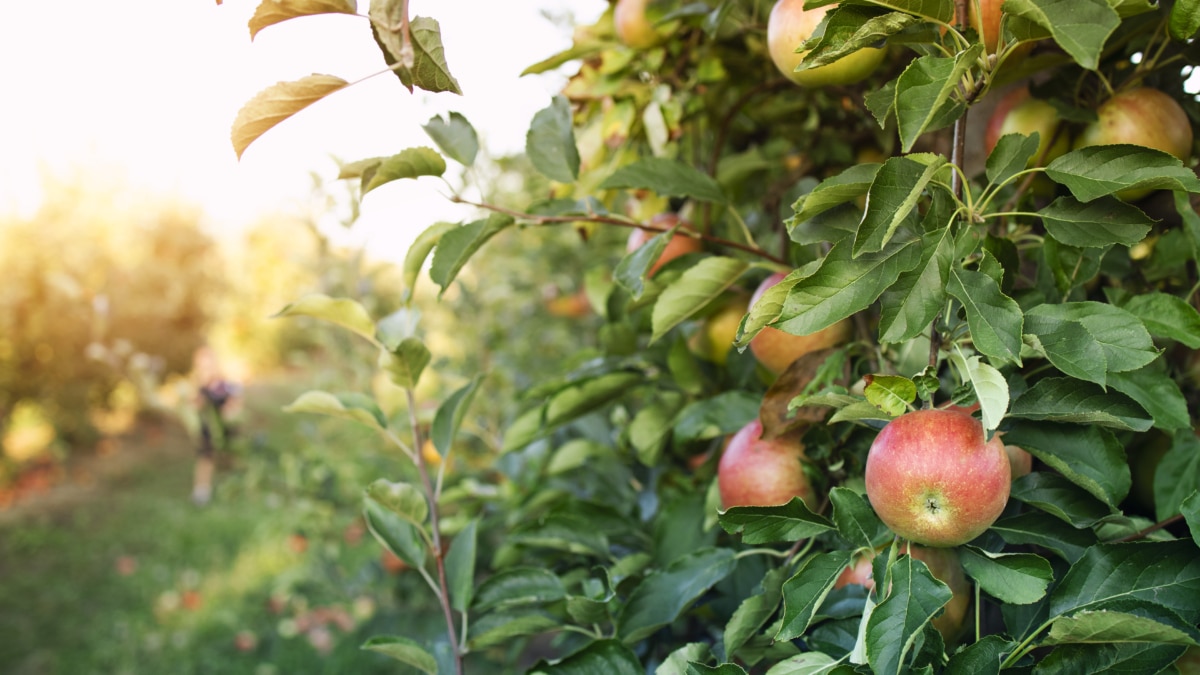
{"type": "Point", "coordinates": [1067, 314]}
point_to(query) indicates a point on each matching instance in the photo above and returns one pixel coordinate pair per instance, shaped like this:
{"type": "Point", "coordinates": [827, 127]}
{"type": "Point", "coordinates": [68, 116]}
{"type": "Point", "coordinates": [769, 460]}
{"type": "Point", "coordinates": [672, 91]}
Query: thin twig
{"type": "Point", "coordinates": [1142, 534]}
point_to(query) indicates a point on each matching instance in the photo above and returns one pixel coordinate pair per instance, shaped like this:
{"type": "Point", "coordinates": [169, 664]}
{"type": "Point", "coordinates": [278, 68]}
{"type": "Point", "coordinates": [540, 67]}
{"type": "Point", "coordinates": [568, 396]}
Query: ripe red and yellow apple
{"type": "Point", "coordinates": [680, 244]}
{"type": "Point", "coordinates": [1145, 117]}
{"type": "Point", "coordinates": [714, 339]}
{"type": "Point", "coordinates": [776, 350]}
{"type": "Point", "coordinates": [1019, 113]}
{"type": "Point", "coordinates": [572, 306]}
{"type": "Point", "coordinates": [789, 25]}
{"type": "Point", "coordinates": [943, 565]}
{"type": "Point", "coordinates": [757, 472]}
{"type": "Point", "coordinates": [634, 24]}
{"type": "Point", "coordinates": [935, 479]}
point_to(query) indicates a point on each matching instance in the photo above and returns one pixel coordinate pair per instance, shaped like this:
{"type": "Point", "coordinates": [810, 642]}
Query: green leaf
{"type": "Point", "coordinates": [856, 520]}
{"type": "Point", "coordinates": [890, 393]}
{"type": "Point", "coordinates": [1142, 623]}
{"type": "Point", "coordinates": [1063, 399]}
{"type": "Point", "coordinates": [1068, 345]}
{"type": "Point", "coordinates": [550, 142]}
{"type": "Point", "coordinates": [631, 271]}
{"type": "Point", "coordinates": [1133, 658]}
{"type": "Point", "coordinates": [1167, 316]}
{"type": "Point", "coordinates": [991, 389]}
{"type": "Point", "coordinates": [980, 658]}
{"type": "Point", "coordinates": [460, 566]}
{"type": "Point", "coordinates": [994, 318]}
{"type": "Point", "coordinates": [1046, 531]}
{"type": "Point", "coordinates": [849, 28]}
{"type": "Point", "coordinates": [663, 595]}
{"type": "Point", "coordinates": [722, 669]}
{"type": "Point", "coordinates": [941, 11]}
{"type": "Point", "coordinates": [896, 623]}
{"type": "Point", "coordinates": [677, 661]}
{"type": "Point", "coordinates": [1101, 222]}
{"type": "Point", "coordinates": [911, 304]}
{"type": "Point", "coordinates": [519, 586]}
{"type": "Point", "coordinates": [450, 415]}
{"type": "Point", "coordinates": [754, 611]}
{"type": "Point", "coordinates": [1157, 393]}
{"type": "Point", "coordinates": [457, 245]}
{"type": "Point", "coordinates": [843, 285]}
{"type": "Point", "coordinates": [271, 12]}
{"type": "Point", "coordinates": [405, 363]}
{"type": "Point", "coordinates": [1060, 497]}
{"type": "Point", "coordinates": [409, 163]}
{"type": "Point", "coordinates": [1101, 170]}
{"type": "Point", "coordinates": [768, 308]}
{"type": "Point", "coordinates": [420, 61]}
{"type": "Point", "coordinates": [1162, 572]}
{"type": "Point", "coordinates": [352, 406]}
{"type": "Point", "coordinates": [666, 177]}
{"type": "Point", "coordinates": [587, 395]}
{"type": "Point", "coordinates": [650, 428]}
{"type": "Point", "coordinates": [808, 663]}
{"type": "Point", "coordinates": [1126, 343]}
{"type": "Point", "coordinates": [773, 524]}
{"type": "Point", "coordinates": [400, 648]}
{"type": "Point", "coordinates": [1190, 508]}
{"type": "Point", "coordinates": [402, 499]}
{"type": "Point", "coordinates": [1177, 475]}
{"type": "Point", "coordinates": [1013, 152]}
{"type": "Point", "coordinates": [1184, 20]}
{"type": "Point", "coordinates": [804, 592]}
{"type": "Point", "coordinates": [343, 312]}
{"type": "Point", "coordinates": [1089, 456]}
{"type": "Point", "coordinates": [562, 533]}
{"type": "Point", "coordinates": [893, 195]}
{"type": "Point", "coordinates": [882, 102]}
{"type": "Point", "coordinates": [394, 533]}
{"type": "Point", "coordinates": [419, 251]}
{"type": "Point", "coordinates": [718, 416]}
{"type": "Point", "coordinates": [454, 136]}
{"type": "Point", "coordinates": [834, 191]}
{"type": "Point", "coordinates": [1080, 27]}
{"type": "Point", "coordinates": [1016, 578]}
{"type": "Point", "coordinates": [497, 628]}
{"type": "Point", "coordinates": [276, 103]}
{"type": "Point", "coordinates": [695, 289]}
{"type": "Point", "coordinates": [923, 93]}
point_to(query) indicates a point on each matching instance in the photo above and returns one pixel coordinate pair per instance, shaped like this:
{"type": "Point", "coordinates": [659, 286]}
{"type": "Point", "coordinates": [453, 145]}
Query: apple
{"type": "Point", "coordinates": [715, 337]}
{"type": "Point", "coordinates": [1145, 117]}
{"type": "Point", "coordinates": [1018, 113]}
{"type": "Point", "coordinates": [989, 28]}
{"type": "Point", "coordinates": [1019, 461]}
{"type": "Point", "coordinates": [934, 478]}
{"type": "Point", "coordinates": [634, 27]}
{"type": "Point", "coordinates": [680, 244]}
{"type": "Point", "coordinates": [789, 25]}
{"type": "Point", "coordinates": [776, 350]}
{"type": "Point", "coordinates": [943, 565]}
{"type": "Point", "coordinates": [392, 564]}
{"type": "Point", "coordinates": [573, 306]}
{"type": "Point", "coordinates": [755, 472]}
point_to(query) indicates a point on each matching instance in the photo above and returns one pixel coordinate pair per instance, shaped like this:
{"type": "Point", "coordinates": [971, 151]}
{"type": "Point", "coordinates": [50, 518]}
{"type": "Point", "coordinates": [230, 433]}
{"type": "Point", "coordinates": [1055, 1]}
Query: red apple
{"type": "Point", "coordinates": [1018, 113]}
{"type": "Point", "coordinates": [789, 25]}
{"type": "Point", "coordinates": [1145, 117]}
{"type": "Point", "coordinates": [571, 306]}
{"type": "Point", "coordinates": [935, 479]}
{"type": "Point", "coordinates": [1020, 461]}
{"type": "Point", "coordinates": [943, 565]}
{"type": "Point", "coordinates": [680, 244]}
{"type": "Point", "coordinates": [634, 26]}
{"type": "Point", "coordinates": [754, 472]}
{"type": "Point", "coordinates": [776, 350]}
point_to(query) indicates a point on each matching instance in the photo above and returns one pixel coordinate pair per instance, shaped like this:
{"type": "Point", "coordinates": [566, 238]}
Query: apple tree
{"type": "Point", "coordinates": [977, 219]}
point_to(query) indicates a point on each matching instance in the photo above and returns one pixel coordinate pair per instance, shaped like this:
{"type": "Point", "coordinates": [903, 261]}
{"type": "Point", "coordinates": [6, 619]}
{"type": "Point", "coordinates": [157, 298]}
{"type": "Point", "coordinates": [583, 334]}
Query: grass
{"type": "Point", "coordinates": [274, 576]}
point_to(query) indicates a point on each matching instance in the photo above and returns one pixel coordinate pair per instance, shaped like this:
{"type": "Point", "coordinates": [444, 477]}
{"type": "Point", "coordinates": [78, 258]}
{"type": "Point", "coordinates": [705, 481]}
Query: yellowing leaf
{"type": "Point", "coordinates": [278, 102]}
{"type": "Point", "coordinates": [271, 12]}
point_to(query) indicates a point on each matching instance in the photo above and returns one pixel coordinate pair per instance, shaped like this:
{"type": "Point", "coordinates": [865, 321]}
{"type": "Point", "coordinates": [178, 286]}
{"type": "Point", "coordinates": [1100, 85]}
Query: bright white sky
{"type": "Point", "coordinates": [148, 89]}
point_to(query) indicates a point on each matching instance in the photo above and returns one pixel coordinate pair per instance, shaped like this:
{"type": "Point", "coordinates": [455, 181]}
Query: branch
{"type": "Point", "coordinates": [619, 222]}
{"type": "Point", "coordinates": [1141, 534]}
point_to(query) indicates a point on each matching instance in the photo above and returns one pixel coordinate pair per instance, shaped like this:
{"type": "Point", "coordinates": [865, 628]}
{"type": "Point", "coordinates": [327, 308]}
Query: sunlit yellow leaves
{"type": "Point", "coordinates": [277, 103]}
{"type": "Point", "coordinates": [271, 12]}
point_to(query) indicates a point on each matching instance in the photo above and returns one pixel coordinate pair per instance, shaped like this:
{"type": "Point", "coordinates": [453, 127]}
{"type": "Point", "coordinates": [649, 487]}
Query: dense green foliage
{"type": "Point", "coordinates": [1050, 297]}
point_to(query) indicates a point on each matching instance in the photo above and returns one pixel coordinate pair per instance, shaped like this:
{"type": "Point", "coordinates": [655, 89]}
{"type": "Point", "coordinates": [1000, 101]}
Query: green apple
{"type": "Point", "coordinates": [1018, 113]}
{"type": "Point", "coordinates": [789, 25]}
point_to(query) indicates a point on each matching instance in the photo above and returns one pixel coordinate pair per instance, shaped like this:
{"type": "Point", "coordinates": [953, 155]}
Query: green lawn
{"type": "Point", "coordinates": [129, 576]}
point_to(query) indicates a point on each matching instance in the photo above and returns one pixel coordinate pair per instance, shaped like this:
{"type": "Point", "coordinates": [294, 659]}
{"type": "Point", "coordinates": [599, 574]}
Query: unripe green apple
{"type": "Point", "coordinates": [680, 244]}
{"type": "Point", "coordinates": [1018, 113]}
{"type": "Point", "coordinates": [634, 27]}
{"type": "Point", "coordinates": [789, 25]}
{"type": "Point", "coordinates": [1145, 117]}
{"type": "Point", "coordinates": [943, 564]}
{"type": "Point", "coordinates": [713, 340]}
{"type": "Point", "coordinates": [776, 350]}
{"type": "Point", "coordinates": [755, 472]}
{"type": "Point", "coordinates": [934, 478]}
